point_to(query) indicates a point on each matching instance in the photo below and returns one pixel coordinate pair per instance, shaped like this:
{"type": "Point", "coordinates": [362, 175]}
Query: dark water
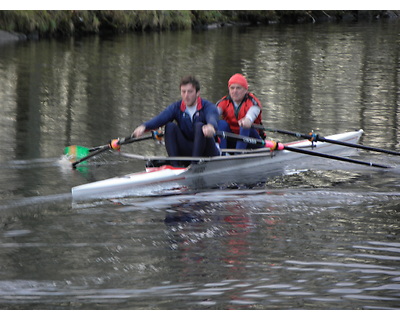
{"type": "Point", "coordinates": [326, 238]}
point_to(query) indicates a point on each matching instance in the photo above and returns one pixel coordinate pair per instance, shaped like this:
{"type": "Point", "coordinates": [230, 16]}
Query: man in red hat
{"type": "Point", "coordinates": [239, 110]}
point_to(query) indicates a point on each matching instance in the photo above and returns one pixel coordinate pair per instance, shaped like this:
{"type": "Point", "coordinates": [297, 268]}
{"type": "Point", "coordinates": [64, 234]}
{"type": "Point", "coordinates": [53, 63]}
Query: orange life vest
{"type": "Point", "coordinates": [230, 115]}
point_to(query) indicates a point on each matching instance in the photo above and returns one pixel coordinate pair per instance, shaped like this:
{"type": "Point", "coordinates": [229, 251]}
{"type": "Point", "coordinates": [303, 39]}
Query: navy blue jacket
{"type": "Point", "coordinates": [206, 113]}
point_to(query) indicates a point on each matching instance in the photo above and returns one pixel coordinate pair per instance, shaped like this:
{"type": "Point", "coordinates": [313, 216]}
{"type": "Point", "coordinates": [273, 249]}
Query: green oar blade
{"type": "Point", "coordinates": [75, 153]}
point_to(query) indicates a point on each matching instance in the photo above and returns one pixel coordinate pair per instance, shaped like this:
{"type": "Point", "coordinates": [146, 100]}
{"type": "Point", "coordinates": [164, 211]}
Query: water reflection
{"type": "Point", "coordinates": [308, 276]}
{"type": "Point", "coordinates": [322, 77]}
{"type": "Point", "coordinates": [254, 249]}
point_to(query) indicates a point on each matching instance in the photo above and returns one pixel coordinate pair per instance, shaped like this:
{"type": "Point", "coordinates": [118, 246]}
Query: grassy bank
{"type": "Point", "coordinates": [44, 23]}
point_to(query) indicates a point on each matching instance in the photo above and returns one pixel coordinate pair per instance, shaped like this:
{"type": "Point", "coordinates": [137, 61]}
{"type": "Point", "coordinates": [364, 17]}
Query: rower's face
{"type": "Point", "coordinates": [189, 94]}
{"type": "Point", "coordinates": [237, 92]}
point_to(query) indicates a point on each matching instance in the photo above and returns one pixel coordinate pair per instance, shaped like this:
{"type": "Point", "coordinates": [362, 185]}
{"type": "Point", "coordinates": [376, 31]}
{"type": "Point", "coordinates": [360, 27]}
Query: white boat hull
{"type": "Point", "coordinates": [209, 172]}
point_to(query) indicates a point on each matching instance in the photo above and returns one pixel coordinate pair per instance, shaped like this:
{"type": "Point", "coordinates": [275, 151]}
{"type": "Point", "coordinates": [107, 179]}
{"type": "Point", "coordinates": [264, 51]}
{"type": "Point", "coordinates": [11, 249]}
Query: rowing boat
{"type": "Point", "coordinates": [245, 167]}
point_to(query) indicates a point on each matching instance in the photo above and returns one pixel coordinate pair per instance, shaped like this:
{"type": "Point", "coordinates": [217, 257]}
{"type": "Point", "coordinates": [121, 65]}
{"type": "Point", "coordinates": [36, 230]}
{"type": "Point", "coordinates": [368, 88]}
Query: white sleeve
{"type": "Point", "coordinates": [253, 113]}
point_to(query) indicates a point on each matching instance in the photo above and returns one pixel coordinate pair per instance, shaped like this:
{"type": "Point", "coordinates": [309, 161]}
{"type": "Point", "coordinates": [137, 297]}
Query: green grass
{"type": "Point", "coordinates": [74, 22]}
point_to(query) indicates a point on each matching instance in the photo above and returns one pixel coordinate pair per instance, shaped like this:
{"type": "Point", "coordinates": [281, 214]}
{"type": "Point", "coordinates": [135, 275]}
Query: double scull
{"type": "Point", "coordinates": [247, 167]}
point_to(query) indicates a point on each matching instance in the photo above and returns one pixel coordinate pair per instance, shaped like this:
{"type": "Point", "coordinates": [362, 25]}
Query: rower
{"type": "Point", "coordinates": [190, 124]}
{"type": "Point", "coordinates": [239, 110]}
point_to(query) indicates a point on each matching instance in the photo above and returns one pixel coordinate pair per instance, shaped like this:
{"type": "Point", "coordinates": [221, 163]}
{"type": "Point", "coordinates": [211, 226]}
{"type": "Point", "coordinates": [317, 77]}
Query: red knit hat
{"type": "Point", "coordinates": [238, 79]}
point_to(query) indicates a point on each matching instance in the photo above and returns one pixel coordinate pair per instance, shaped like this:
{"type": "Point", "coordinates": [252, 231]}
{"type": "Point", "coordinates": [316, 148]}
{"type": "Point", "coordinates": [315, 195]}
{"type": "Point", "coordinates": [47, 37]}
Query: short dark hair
{"type": "Point", "coordinates": [192, 80]}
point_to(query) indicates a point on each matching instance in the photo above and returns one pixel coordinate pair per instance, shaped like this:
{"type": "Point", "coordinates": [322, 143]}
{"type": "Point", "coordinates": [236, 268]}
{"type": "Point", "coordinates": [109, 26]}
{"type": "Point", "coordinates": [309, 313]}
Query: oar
{"type": "Point", "coordinates": [317, 137]}
{"type": "Point", "coordinates": [121, 141]}
{"type": "Point", "coordinates": [279, 146]}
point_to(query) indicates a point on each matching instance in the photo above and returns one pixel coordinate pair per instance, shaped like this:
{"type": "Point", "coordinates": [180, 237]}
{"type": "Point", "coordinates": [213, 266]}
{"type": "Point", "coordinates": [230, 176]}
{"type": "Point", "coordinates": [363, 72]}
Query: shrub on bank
{"type": "Point", "coordinates": [72, 22]}
{"type": "Point", "coordinates": [42, 23]}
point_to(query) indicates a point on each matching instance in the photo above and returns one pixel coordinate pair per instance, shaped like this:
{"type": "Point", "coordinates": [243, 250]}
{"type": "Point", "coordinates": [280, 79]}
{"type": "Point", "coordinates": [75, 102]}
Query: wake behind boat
{"type": "Point", "coordinates": [248, 167]}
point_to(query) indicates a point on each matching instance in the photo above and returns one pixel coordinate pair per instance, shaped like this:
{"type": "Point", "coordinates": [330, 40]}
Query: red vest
{"type": "Point", "coordinates": [228, 110]}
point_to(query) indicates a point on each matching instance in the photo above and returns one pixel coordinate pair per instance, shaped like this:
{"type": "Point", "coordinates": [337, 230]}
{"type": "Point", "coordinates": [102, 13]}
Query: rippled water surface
{"type": "Point", "coordinates": [322, 238]}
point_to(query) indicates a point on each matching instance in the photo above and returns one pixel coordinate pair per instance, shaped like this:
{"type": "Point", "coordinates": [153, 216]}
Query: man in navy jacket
{"type": "Point", "coordinates": [190, 124]}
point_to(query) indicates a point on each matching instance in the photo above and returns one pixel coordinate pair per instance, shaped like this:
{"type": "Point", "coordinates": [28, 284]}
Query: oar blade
{"type": "Point", "coordinates": [80, 154]}
{"type": "Point", "coordinates": [75, 152]}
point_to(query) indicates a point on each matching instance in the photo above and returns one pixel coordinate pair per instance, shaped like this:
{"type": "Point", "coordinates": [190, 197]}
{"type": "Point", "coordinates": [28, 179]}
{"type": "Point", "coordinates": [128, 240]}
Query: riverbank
{"type": "Point", "coordinates": [19, 25]}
